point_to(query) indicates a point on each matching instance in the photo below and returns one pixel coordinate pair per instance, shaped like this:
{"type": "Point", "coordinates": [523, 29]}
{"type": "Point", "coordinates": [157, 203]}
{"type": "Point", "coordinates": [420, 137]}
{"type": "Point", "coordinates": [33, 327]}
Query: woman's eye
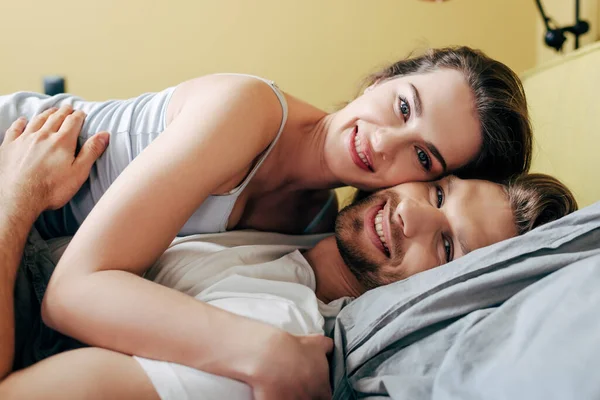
{"type": "Point", "coordinates": [448, 249]}
{"type": "Point", "coordinates": [424, 159]}
{"type": "Point", "coordinates": [440, 196]}
{"type": "Point", "coordinates": [404, 109]}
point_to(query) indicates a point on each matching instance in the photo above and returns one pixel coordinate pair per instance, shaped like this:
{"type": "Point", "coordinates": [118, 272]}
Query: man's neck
{"type": "Point", "coordinates": [333, 277]}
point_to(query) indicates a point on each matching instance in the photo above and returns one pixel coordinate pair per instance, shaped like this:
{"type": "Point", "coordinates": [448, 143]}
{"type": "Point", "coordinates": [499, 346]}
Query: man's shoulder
{"type": "Point", "coordinates": [193, 263]}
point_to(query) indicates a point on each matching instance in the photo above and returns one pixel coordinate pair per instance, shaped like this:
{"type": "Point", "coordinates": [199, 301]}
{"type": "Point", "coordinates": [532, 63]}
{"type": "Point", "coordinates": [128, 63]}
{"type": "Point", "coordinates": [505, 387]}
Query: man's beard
{"type": "Point", "coordinates": [348, 226]}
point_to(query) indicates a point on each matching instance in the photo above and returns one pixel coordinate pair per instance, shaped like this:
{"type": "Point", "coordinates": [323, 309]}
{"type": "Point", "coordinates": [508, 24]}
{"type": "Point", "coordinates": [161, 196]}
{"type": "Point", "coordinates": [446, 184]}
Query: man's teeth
{"type": "Point", "coordinates": [360, 153]}
{"type": "Point", "coordinates": [379, 228]}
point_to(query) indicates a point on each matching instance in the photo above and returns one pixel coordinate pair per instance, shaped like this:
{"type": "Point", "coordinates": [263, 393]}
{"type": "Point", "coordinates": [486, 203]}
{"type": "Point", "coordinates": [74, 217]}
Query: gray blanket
{"type": "Point", "coordinates": [517, 320]}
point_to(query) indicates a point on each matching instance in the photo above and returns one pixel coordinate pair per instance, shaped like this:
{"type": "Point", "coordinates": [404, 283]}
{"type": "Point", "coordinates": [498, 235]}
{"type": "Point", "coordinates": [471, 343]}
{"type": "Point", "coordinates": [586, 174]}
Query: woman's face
{"type": "Point", "coordinates": [405, 129]}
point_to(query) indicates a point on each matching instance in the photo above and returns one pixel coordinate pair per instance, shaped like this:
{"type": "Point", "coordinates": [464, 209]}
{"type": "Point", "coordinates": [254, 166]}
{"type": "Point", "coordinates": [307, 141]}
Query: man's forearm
{"type": "Point", "coordinates": [15, 224]}
{"type": "Point", "coordinates": [38, 171]}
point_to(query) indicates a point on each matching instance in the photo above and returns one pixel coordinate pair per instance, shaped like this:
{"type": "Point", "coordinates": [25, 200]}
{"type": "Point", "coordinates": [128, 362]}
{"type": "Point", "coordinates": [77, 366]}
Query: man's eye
{"type": "Point", "coordinates": [440, 196]}
{"type": "Point", "coordinates": [448, 248]}
{"type": "Point", "coordinates": [424, 159]}
{"type": "Point", "coordinates": [404, 108]}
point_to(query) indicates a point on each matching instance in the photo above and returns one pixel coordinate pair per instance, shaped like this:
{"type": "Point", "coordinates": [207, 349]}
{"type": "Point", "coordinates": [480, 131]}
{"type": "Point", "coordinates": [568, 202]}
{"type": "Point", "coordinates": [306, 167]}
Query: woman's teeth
{"type": "Point", "coordinates": [361, 155]}
{"type": "Point", "coordinates": [379, 229]}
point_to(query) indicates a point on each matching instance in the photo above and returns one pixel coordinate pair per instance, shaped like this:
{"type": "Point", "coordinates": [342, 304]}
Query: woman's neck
{"type": "Point", "coordinates": [298, 161]}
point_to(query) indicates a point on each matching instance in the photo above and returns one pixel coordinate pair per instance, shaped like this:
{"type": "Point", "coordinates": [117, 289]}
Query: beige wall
{"type": "Point", "coordinates": [316, 49]}
{"type": "Point", "coordinates": [563, 99]}
{"type": "Point", "coordinates": [562, 94]}
{"type": "Point", "coordinates": [563, 12]}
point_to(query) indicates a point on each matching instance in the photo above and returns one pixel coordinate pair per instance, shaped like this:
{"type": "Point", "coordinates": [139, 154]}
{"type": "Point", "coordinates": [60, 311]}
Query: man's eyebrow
{"type": "Point", "coordinates": [450, 184]}
{"type": "Point", "coordinates": [464, 247]}
{"type": "Point", "coordinates": [462, 242]}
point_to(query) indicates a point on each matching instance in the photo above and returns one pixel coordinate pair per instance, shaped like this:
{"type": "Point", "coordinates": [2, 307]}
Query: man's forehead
{"type": "Point", "coordinates": [483, 215]}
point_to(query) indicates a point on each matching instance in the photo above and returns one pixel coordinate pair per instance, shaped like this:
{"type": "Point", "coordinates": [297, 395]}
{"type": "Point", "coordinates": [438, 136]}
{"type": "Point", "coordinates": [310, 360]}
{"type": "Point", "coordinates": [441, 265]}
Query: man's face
{"type": "Point", "coordinates": [412, 227]}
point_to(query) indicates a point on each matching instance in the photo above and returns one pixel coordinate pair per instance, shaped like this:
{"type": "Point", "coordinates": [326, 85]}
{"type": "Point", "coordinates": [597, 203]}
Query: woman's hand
{"type": "Point", "coordinates": [38, 166]}
{"type": "Point", "coordinates": [295, 368]}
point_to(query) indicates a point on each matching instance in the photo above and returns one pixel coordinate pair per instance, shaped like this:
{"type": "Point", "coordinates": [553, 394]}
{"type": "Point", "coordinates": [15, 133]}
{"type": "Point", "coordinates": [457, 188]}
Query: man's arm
{"type": "Point", "coordinates": [38, 171]}
{"type": "Point", "coordinates": [15, 223]}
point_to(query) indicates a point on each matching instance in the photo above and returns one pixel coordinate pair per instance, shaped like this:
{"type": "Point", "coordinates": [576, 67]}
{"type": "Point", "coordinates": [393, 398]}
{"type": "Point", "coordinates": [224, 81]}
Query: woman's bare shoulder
{"type": "Point", "coordinates": [228, 90]}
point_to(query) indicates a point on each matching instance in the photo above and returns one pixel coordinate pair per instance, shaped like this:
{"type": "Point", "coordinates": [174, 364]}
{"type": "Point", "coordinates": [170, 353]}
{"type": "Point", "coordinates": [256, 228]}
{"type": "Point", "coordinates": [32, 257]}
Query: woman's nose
{"type": "Point", "coordinates": [388, 140]}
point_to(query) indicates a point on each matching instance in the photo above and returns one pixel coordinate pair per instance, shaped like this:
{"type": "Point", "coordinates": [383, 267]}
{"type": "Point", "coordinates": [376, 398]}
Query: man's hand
{"type": "Point", "coordinates": [295, 368]}
{"type": "Point", "coordinates": [38, 170]}
{"type": "Point", "coordinates": [38, 167]}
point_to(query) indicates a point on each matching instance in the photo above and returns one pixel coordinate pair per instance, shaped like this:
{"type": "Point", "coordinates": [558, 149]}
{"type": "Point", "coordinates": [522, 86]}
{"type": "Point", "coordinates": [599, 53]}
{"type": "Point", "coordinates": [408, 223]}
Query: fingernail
{"type": "Point", "coordinates": [105, 139]}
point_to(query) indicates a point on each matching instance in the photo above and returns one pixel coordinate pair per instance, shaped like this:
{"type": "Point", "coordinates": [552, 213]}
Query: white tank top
{"type": "Point", "coordinates": [133, 124]}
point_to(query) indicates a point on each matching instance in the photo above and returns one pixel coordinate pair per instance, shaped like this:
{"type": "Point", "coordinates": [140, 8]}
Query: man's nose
{"type": "Point", "coordinates": [417, 217]}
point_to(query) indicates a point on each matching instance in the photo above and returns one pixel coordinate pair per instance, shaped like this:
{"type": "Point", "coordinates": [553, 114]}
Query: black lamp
{"type": "Point", "coordinates": [555, 36]}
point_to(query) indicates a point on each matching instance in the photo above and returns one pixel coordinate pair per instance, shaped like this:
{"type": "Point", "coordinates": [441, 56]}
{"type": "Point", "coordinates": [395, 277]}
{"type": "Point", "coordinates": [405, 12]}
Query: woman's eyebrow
{"type": "Point", "coordinates": [436, 153]}
{"type": "Point", "coordinates": [417, 100]}
{"type": "Point", "coordinates": [419, 112]}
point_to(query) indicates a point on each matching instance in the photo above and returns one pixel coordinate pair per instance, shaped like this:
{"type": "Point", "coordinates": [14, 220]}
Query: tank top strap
{"type": "Point", "coordinates": [265, 154]}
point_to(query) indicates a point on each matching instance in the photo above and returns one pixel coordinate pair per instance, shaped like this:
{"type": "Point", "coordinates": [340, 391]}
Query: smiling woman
{"type": "Point", "coordinates": [448, 110]}
{"type": "Point", "coordinates": [408, 128]}
{"type": "Point", "coordinates": [504, 125]}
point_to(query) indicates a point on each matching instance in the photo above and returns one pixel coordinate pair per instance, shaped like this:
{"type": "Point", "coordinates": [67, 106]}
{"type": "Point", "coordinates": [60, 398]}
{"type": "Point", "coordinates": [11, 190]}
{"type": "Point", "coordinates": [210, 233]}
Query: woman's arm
{"type": "Point", "coordinates": [96, 294]}
{"type": "Point", "coordinates": [90, 374]}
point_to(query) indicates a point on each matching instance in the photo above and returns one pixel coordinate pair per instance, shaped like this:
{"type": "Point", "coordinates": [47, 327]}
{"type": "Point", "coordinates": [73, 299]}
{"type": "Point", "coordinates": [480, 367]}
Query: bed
{"type": "Point", "coordinates": [516, 320]}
